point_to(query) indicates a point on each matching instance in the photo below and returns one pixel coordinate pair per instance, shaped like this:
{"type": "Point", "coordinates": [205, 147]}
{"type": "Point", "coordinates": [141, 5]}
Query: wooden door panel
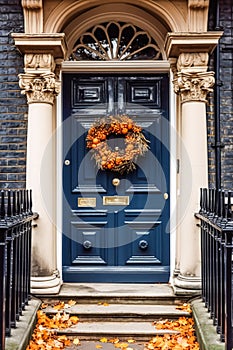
{"type": "Point", "coordinates": [89, 239]}
{"type": "Point", "coordinates": [146, 243]}
{"type": "Point", "coordinates": [86, 91]}
{"type": "Point", "coordinates": [143, 93]}
{"type": "Point", "coordinates": [108, 241]}
{"type": "Point", "coordinates": [83, 176]}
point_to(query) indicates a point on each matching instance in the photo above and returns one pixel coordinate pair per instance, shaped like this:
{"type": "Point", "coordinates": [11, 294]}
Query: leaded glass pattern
{"type": "Point", "coordinates": [115, 41]}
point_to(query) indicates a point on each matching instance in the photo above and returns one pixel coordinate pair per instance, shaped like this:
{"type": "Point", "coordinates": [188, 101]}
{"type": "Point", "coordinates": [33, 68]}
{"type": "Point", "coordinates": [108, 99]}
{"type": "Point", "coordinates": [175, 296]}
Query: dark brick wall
{"type": "Point", "coordinates": [226, 97]}
{"type": "Point", "coordinates": [13, 106]}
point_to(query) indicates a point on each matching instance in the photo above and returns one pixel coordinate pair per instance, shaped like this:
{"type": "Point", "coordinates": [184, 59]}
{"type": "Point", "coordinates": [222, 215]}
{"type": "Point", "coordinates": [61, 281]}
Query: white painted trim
{"type": "Point", "coordinates": [116, 66]}
{"type": "Point", "coordinates": [130, 67]}
{"type": "Point", "coordinates": [173, 175]}
{"type": "Point", "coordinates": [59, 164]}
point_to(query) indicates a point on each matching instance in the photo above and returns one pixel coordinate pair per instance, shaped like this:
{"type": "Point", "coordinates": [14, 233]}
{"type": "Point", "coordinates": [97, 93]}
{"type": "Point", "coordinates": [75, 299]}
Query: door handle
{"type": "Point", "coordinates": [67, 162]}
{"type": "Point", "coordinates": [165, 196]}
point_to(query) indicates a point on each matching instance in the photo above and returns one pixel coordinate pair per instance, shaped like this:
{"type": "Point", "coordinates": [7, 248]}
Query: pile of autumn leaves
{"type": "Point", "coordinates": [46, 334]}
{"type": "Point", "coordinates": [184, 338]}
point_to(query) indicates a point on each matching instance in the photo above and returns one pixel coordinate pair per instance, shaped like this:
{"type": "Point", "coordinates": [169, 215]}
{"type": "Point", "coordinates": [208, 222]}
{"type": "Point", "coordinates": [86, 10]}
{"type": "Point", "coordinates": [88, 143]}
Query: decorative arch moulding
{"type": "Point", "coordinates": [168, 14]}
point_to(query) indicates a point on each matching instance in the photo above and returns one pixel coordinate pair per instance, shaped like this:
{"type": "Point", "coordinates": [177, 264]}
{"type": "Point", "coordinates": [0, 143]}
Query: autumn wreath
{"type": "Point", "coordinates": [119, 159]}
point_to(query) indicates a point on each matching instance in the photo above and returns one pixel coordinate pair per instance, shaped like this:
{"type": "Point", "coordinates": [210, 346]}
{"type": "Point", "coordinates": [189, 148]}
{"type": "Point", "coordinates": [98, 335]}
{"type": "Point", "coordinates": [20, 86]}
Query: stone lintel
{"type": "Point", "coordinates": [177, 43]}
{"type": "Point", "coordinates": [45, 43]}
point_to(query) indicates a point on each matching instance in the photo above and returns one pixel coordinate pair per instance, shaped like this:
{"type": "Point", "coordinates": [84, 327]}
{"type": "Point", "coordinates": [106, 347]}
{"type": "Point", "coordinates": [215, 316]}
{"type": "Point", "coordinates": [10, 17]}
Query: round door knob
{"type": "Point", "coordinates": [67, 162]}
{"type": "Point", "coordinates": [87, 245]}
{"type": "Point", "coordinates": [143, 244]}
{"type": "Point", "coordinates": [116, 182]}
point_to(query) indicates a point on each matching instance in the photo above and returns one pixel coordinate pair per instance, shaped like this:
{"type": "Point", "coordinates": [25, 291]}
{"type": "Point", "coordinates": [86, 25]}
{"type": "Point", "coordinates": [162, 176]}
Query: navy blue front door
{"type": "Point", "coordinates": [115, 233]}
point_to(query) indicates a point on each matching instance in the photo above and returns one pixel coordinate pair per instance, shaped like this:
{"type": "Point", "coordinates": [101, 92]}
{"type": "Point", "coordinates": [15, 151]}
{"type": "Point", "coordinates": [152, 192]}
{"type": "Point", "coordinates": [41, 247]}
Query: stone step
{"type": "Point", "coordinates": [114, 293]}
{"type": "Point", "coordinates": [122, 330]}
{"type": "Point", "coordinates": [121, 312]}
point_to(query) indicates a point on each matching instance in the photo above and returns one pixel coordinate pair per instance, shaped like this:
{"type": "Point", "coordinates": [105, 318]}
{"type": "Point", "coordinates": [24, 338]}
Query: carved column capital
{"type": "Point", "coordinates": [193, 86]}
{"type": "Point", "coordinates": [39, 88]}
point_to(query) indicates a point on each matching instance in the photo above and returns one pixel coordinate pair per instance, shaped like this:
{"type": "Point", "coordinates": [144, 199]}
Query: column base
{"type": "Point", "coordinates": [45, 285]}
{"type": "Point", "coordinates": [187, 285]}
{"type": "Point", "coordinates": [176, 272]}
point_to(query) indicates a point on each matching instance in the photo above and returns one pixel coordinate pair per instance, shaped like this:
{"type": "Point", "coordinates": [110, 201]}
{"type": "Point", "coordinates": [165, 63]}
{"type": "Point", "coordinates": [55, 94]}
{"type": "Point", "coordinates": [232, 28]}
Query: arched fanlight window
{"type": "Point", "coordinates": [115, 41]}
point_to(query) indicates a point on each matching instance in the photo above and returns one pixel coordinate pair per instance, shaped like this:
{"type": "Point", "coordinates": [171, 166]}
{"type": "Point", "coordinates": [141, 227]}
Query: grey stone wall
{"type": "Point", "coordinates": [13, 106]}
{"type": "Point", "coordinates": [226, 97]}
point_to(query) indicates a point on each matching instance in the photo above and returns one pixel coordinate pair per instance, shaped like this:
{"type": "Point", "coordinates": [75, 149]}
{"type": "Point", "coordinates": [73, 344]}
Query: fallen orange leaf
{"type": "Point", "coordinates": [114, 340]}
{"type": "Point", "coordinates": [59, 306]}
{"type": "Point", "coordinates": [121, 345]}
{"type": "Point", "coordinates": [185, 307]}
{"type": "Point", "coordinates": [103, 340]}
{"type": "Point", "coordinates": [76, 341]}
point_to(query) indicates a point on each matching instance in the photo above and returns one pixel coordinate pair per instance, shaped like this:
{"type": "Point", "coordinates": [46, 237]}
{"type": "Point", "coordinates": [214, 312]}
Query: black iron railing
{"type": "Point", "coordinates": [15, 257]}
{"type": "Point", "coordinates": [216, 225]}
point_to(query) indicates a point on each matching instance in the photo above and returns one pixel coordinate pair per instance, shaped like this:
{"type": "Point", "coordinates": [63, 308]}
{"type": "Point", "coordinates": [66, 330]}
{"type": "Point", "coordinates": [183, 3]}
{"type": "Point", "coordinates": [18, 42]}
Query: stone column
{"type": "Point", "coordinates": [41, 90]}
{"type": "Point", "coordinates": [43, 53]}
{"type": "Point", "coordinates": [192, 83]}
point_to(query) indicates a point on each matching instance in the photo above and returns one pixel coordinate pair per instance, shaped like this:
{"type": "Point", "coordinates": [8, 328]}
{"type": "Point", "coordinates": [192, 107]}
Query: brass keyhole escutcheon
{"type": "Point", "coordinates": [116, 182]}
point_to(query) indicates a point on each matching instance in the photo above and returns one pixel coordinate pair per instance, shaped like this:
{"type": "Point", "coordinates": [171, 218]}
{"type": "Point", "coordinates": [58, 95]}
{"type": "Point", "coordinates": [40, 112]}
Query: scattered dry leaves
{"type": "Point", "coordinates": [61, 305]}
{"type": "Point", "coordinates": [103, 340]}
{"type": "Point", "coordinates": [44, 336]}
{"type": "Point", "coordinates": [114, 340]}
{"type": "Point", "coordinates": [183, 339]}
{"type": "Point", "coordinates": [71, 302]}
{"type": "Point", "coordinates": [76, 341]}
{"type": "Point", "coordinates": [122, 346]}
{"type": "Point", "coordinates": [185, 307]}
{"type": "Point", "coordinates": [103, 303]}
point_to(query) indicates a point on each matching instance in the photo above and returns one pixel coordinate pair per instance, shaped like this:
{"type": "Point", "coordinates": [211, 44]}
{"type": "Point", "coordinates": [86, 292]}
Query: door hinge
{"type": "Point", "coordinates": [177, 166]}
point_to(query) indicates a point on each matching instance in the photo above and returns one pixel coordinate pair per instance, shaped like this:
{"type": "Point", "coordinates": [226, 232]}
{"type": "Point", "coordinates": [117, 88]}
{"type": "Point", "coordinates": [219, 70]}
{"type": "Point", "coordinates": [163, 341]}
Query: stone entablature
{"type": "Point", "coordinates": [43, 54]}
{"type": "Point", "coordinates": [190, 54]}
